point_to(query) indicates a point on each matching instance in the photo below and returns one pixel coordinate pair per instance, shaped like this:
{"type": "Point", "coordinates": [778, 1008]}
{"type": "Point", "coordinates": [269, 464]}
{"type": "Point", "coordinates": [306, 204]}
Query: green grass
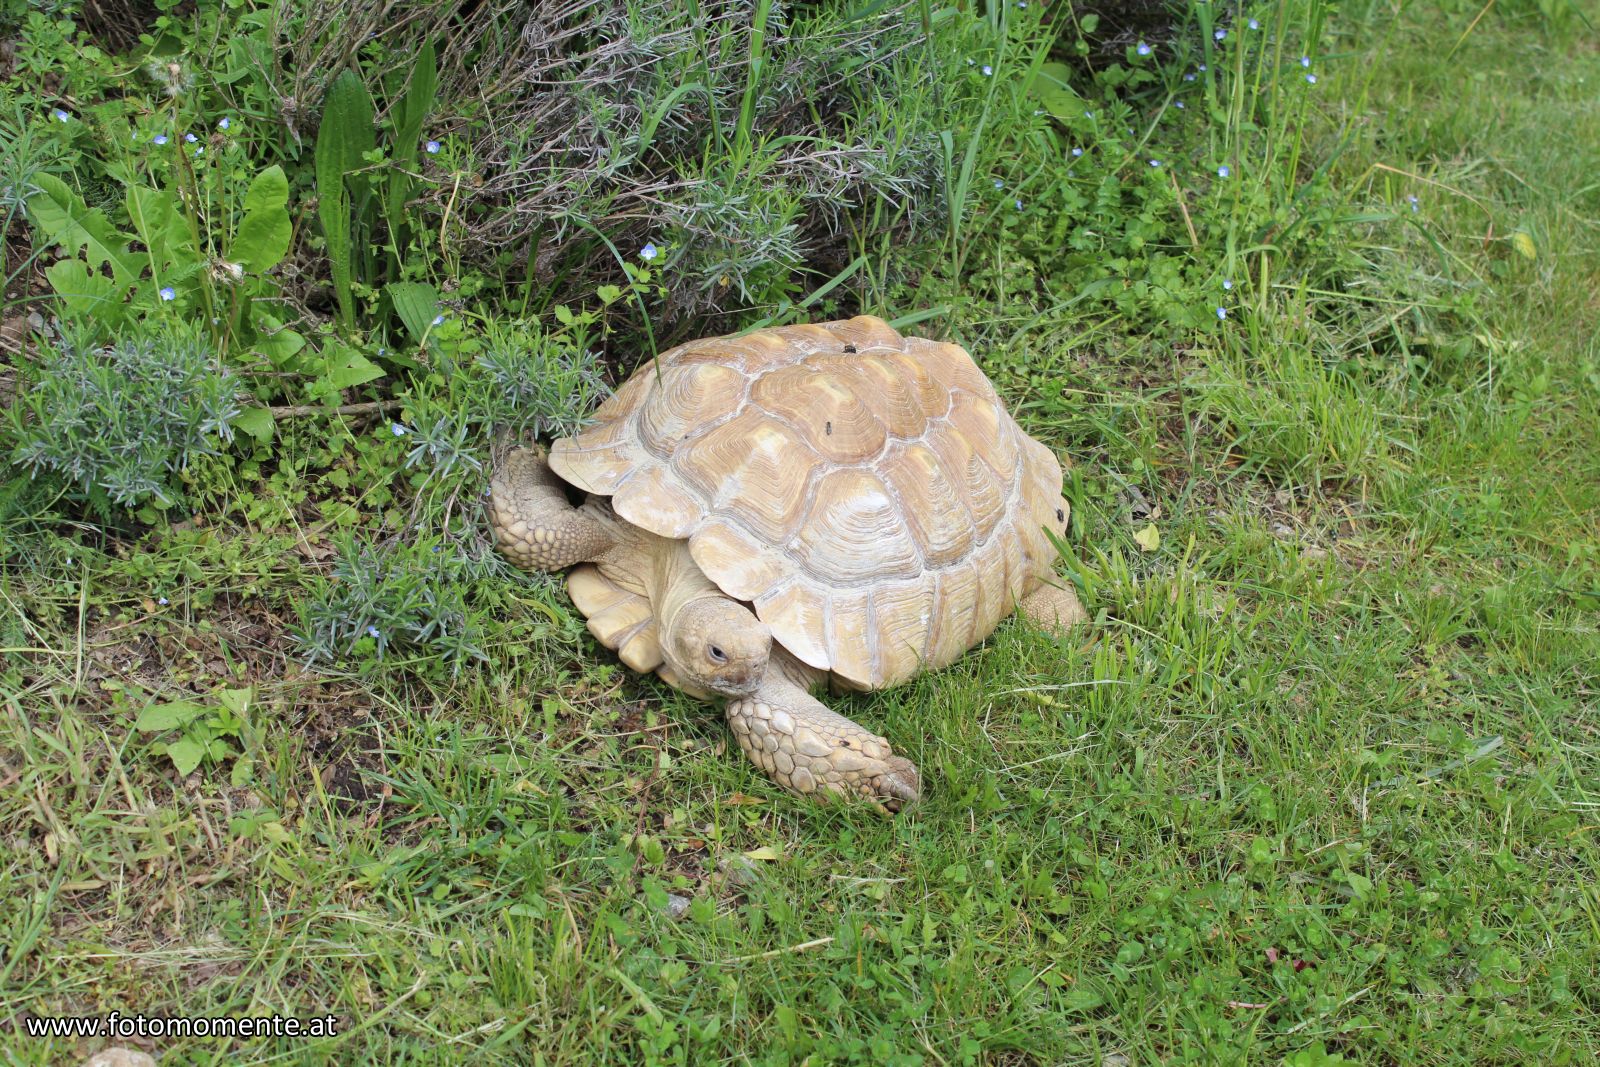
{"type": "Point", "coordinates": [1323, 779]}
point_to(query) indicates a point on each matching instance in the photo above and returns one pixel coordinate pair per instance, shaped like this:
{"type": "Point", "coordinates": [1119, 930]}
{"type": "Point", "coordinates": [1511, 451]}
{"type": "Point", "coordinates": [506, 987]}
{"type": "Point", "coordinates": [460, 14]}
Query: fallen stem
{"type": "Point", "coordinates": [368, 407]}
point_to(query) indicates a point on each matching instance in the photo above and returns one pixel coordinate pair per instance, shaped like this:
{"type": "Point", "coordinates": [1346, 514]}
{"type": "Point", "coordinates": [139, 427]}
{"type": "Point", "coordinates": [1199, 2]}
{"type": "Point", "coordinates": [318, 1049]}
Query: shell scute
{"type": "Point", "coordinates": [855, 532]}
{"type": "Point", "coordinates": [932, 504]}
{"type": "Point", "coordinates": [752, 466]}
{"type": "Point", "coordinates": [902, 614]}
{"type": "Point", "coordinates": [799, 614]}
{"type": "Point", "coordinates": [828, 409]}
{"type": "Point", "coordinates": [686, 401]}
{"type": "Point", "coordinates": [746, 567]}
{"type": "Point", "coordinates": [655, 500]}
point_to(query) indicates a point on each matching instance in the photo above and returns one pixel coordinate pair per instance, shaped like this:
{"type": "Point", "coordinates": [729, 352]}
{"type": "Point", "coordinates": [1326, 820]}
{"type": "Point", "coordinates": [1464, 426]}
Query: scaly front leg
{"type": "Point", "coordinates": [809, 748]}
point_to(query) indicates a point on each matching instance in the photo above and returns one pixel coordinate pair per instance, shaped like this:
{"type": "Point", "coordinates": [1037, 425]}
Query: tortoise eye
{"type": "Point", "coordinates": [716, 654]}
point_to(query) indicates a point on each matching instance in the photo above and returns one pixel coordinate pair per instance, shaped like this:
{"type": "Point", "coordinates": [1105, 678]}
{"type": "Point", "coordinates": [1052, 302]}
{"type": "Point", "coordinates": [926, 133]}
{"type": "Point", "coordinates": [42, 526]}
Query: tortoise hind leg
{"type": "Point", "coordinates": [1054, 607]}
{"type": "Point", "coordinates": [535, 527]}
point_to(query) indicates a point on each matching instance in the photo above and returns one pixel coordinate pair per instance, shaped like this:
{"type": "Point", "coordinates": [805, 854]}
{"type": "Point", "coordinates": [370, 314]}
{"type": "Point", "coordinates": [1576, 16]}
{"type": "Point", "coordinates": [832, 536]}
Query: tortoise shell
{"type": "Point", "coordinates": [866, 493]}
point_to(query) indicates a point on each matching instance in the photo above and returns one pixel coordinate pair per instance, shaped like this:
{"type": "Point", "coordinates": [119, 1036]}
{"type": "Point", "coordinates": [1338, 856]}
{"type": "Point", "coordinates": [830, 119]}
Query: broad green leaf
{"type": "Point", "coordinates": [168, 716]}
{"type": "Point", "coordinates": [346, 367]}
{"type": "Point", "coordinates": [86, 295]}
{"type": "Point", "coordinates": [416, 303]}
{"type": "Point", "coordinates": [279, 345]}
{"type": "Point", "coordinates": [258, 423]}
{"type": "Point", "coordinates": [270, 191]}
{"type": "Point", "coordinates": [1050, 88]}
{"type": "Point", "coordinates": [264, 234]}
{"type": "Point", "coordinates": [419, 100]}
{"type": "Point", "coordinates": [185, 754]}
{"type": "Point", "coordinates": [238, 701]}
{"type": "Point", "coordinates": [1080, 998]}
{"type": "Point", "coordinates": [67, 221]}
{"type": "Point", "coordinates": [163, 230]}
{"type": "Point", "coordinates": [345, 134]}
{"type": "Point", "coordinates": [765, 853]}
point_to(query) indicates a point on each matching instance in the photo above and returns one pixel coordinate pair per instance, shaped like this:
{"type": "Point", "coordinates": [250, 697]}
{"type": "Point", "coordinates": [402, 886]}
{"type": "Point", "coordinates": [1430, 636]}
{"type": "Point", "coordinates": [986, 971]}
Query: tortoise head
{"type": "Point", "coordinates": [718, 644]}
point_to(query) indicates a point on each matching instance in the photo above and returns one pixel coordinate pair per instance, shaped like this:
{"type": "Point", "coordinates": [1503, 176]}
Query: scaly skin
{"type": "Point", "coordinates": [537, 530]}
{"type": "Point", "coordinates": [806, 747]}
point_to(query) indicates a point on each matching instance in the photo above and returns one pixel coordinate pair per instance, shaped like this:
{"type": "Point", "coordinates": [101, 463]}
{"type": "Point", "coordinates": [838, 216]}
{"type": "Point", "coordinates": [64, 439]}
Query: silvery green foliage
{"type": "Point", "coordinates": [632, 127]}
{"type": "Point", "coordinates": [121, 422]}
{"type": "Point", "coordinates": [523, 383]}
{"type": "Point", "coordinates": [402, 597]}
{"type": "Point", "coordinates": [643, 121]}
{"type": "Point", "coordinates": [529, 382]}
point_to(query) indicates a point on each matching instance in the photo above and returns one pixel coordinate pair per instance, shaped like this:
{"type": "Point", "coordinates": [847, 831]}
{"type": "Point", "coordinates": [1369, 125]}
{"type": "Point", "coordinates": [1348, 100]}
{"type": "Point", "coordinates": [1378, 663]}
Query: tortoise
{"type": "Point", "coordinates": [818, 503]}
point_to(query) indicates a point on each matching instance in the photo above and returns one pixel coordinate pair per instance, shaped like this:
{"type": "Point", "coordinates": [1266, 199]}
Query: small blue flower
{"type": "Point", "coordinates": [1220, 35]}
{"type": "Point", "coordinates": [432, 148]}
{"type": "Point", "coordinates": [160, 138]}
{"type": "Point", "coordinates": [222, 123]}
{"type": "Point", "coordinates": [438, 320]}
{"type": "Point", "coordinates": [1254, 25]}
{"type": "Point", "coordinates": [649, 251]}
{"type": "Point", "coordinates": [1188, 77]}
{"type": "Point", "coordinates": [1019, 205]}
{"type": "Point", "coordinates": [1088, 114]}
{"type": "Point", "coordinates": [1077, 152]}
{"type": "Point", "coordinates": [382, 351]}
{"type": "Point", "coordinates": [1412, 200]}
{"type": "Point", "coordinates": [191, 138]}
{"type": "Point", "coordinates": [1022, 5]}
{"type": "Point", "coordinates": [162, 601]}
{"type": "Point", "coordinates": [200, 151]}
{"type": "Point", "coordinates": [1305, 61]}
{"type": "Point", "coordinates": [397, 429]}
{"type": "Point", "coordinates": [168, 293]}
{"type": "Point", "coordinates": [987, 70]}
{"type": "Point", "coordinates": [1155, 162]}
{"type": "Point", "coordinates": [374, 632]}
{"type": "Point", "coordinates": [971, 61]}
{"type": "Point", "coordinates": [1202, 68]}
{"type": "Point", "coordinates": [998, 184]}
{"type": "Point", "coordinates": [1178, 104]}
{"type": "Point", "coordinates": [60, 115]}
{"type": "Point", "coordinates": [1224, 171]}
{"type": "Point", "coordinates": [1227, 283]}
{"type": "Point", "coordinates": [1144, 49]}
{"type": "Point", "coordinates": [1222, 313]}
{"type": "Point", "coordinates": [1311, 79]}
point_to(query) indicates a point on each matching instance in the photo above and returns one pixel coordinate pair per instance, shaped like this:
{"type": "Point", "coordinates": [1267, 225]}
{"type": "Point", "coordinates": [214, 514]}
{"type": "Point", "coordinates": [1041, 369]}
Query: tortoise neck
{"type": "Point", "coordinates": [677, 581]}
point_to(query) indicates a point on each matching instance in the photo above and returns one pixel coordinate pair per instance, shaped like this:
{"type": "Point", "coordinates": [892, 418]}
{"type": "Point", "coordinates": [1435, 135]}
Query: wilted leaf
{"type": "Point", "coordinates": [1524, 245]}
{"type": "Point", "coordinates": [1148, 539]}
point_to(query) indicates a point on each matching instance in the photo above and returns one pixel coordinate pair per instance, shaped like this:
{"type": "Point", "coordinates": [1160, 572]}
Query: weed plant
{"type": "Point", "coordinates": [122, 424]}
